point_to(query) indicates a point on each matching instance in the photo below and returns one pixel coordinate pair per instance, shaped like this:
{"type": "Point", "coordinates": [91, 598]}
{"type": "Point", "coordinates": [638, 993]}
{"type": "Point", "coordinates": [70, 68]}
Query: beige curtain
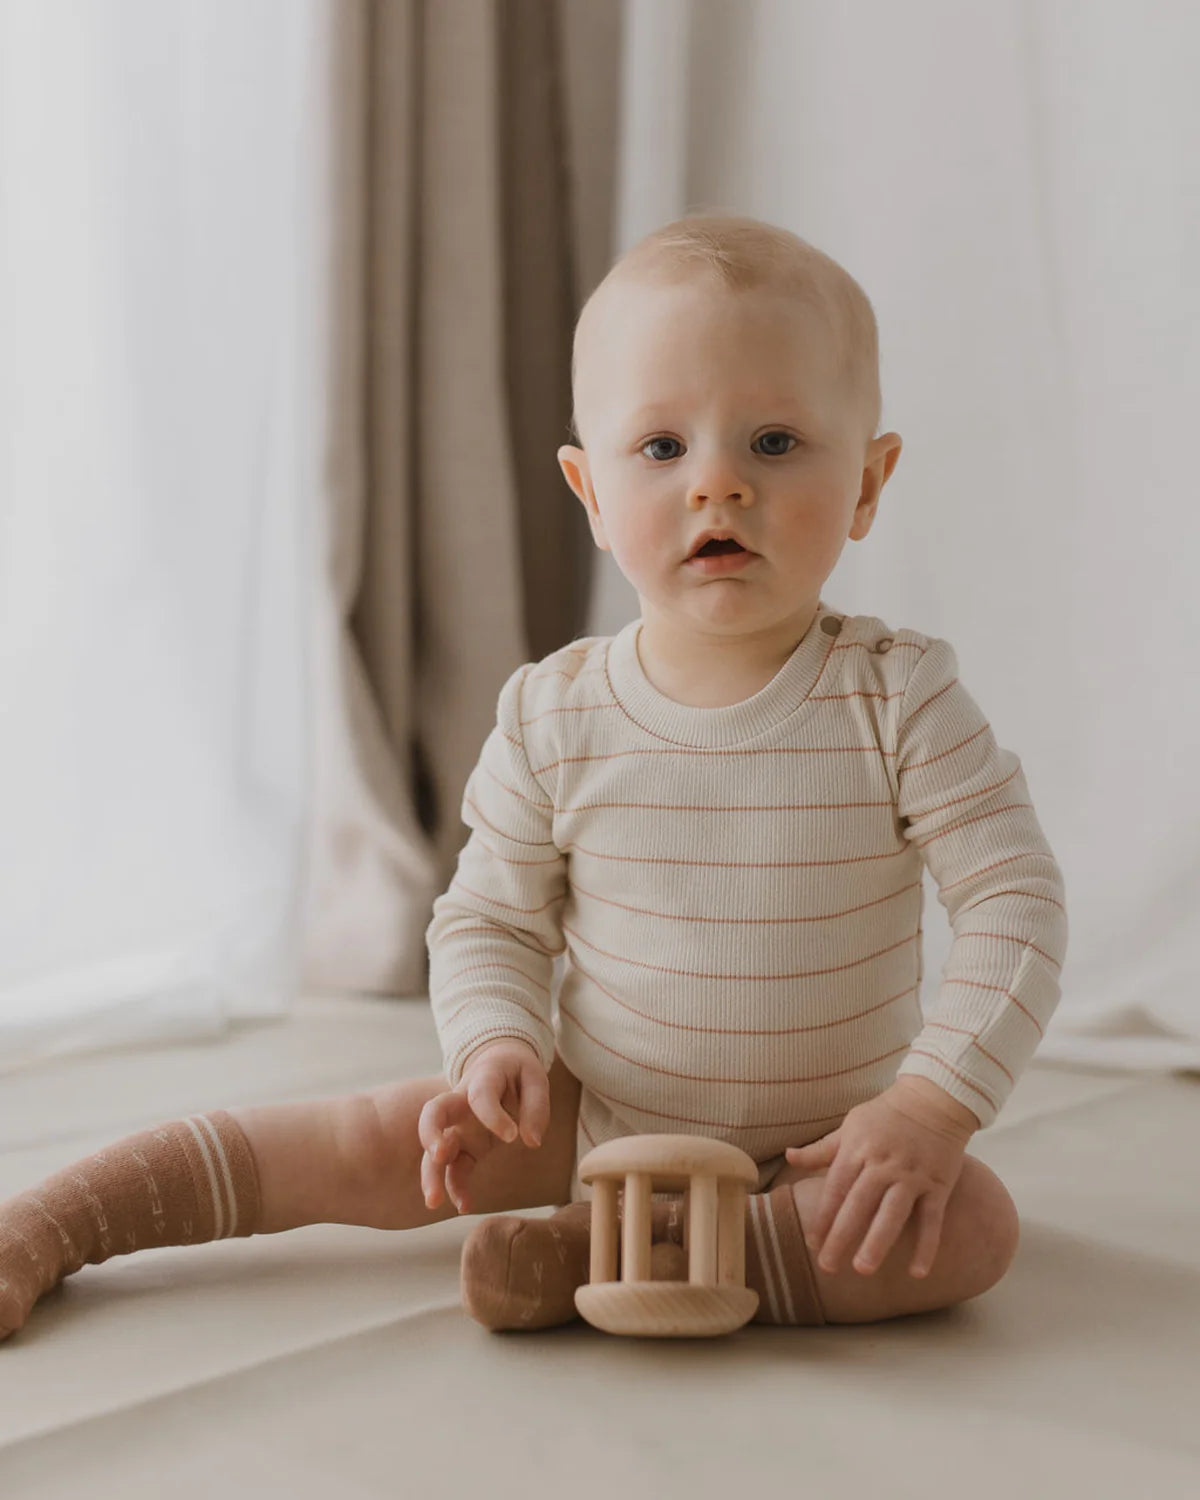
{"type": "Point", "coordinates": [472, 175]}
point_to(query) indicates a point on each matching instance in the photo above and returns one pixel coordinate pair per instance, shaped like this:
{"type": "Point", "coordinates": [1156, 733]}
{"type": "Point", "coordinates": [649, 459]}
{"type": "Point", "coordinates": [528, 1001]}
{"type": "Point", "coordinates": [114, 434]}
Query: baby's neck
{"type": "Point", "coordinates": [708, 679]}
{"type": "Point", "coordinates": [706, 694]}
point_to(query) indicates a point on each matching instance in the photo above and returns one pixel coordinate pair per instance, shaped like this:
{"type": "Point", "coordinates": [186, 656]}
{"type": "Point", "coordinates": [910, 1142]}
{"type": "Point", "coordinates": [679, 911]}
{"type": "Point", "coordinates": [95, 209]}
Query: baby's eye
{"type": "Point", "coordinates": [766, 437]}
{"type": "Point", "coordinates": [655, 441]}
{"type": "Point", "coordinates": [778, 452]}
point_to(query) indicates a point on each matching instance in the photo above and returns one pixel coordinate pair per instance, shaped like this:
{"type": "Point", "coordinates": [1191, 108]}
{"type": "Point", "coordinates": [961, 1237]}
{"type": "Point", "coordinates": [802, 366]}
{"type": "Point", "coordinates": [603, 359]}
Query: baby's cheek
{"type": "Point", "coordinates": [639, 542]}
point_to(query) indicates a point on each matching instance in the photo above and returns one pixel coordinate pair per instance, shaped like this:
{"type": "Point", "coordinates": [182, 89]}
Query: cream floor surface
{"type": "Point", "coordinates": [336, 1362]}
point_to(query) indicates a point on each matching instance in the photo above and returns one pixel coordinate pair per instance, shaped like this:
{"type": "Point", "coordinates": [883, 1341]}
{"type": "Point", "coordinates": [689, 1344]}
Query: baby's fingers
{"type": "Point", "coordinates": [457, 1175]}
{"type": "Point", "coordinates": [535, 1103]}
{"type": "Point", "coordinates": [501, 1094]}
{"type": "Point", "coordinates": [930, 1214]}
{"type": "Point", "coordinates": [436, 1120]}
{"type": "Point", "coordinates": [439, 1183]}
{"type": "Point", "coordinates": [484, 1091]}
{"type": "Point", "coordinates": [817, 1154]}
{"type": "Point", "coordinates": [431, 1182]}
{"type": "Point", "coordinates": [890, 1218]}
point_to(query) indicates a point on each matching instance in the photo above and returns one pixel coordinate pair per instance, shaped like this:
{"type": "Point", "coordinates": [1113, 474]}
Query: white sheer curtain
{"type": "Point", "coordinates": [1016, 186]}
{"type": "Point", "coordinates": [161, 429]}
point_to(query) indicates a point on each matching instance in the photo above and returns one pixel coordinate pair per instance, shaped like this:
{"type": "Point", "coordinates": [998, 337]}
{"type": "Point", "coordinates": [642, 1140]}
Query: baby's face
{"type": "Point", "coordinates": [708, 409]}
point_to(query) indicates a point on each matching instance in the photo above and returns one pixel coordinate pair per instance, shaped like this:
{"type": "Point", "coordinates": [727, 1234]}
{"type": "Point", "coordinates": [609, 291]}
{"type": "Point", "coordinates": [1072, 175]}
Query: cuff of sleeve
{"type": "Point", "coordinates": [982, 1096]}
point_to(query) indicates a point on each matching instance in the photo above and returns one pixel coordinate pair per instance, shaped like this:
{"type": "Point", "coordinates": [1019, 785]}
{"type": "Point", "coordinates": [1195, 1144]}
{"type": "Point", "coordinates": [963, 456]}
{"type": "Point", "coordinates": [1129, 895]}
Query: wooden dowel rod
{"type": "Point", "coordinates": [604, 1230]}
{"type": "Point", "coordinates": [635, 1228]}
{"type": "Point", "coordinates": [702, 1232]}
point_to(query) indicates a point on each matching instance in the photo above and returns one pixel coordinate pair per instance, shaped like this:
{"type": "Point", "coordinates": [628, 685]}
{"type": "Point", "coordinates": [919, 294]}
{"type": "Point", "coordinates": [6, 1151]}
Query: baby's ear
{"type": "Point", "coordinates": [883, 454]}
{"type": "Point", "coordinates": [577, 472]}
{"type": "Point", "coordinates": [574, 464]}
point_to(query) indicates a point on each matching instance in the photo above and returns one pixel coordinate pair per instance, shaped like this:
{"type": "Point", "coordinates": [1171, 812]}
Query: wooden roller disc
{"type": "Point", "coordinates": [666, 1309]}
{"type": "Point", "coordinates": [673, 1160]}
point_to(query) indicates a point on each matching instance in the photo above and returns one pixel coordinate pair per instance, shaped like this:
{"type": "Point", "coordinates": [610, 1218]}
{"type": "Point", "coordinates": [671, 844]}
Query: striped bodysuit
{"type": "Point", "coordinates": [737, 892]}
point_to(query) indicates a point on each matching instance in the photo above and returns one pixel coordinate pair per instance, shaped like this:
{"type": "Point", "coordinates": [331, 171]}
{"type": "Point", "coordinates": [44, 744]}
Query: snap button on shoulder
{"type": "Point", "coordinates": [884, 644]}
{"type": "Point", "coordinates": [831, 625]}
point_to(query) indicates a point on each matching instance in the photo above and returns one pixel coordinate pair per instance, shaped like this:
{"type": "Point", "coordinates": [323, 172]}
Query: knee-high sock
{"type": "Point", "coordinates": [179, 1183]}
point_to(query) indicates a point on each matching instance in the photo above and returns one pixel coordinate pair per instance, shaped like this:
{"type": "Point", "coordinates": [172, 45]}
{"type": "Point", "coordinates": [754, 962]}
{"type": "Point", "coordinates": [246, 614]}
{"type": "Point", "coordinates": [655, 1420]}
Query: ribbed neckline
{"type": "Point", "coordinates": [736, 722]}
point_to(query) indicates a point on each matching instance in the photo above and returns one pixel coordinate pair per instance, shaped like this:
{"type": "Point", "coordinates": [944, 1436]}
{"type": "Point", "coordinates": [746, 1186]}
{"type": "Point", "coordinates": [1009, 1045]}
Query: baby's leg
{"type": "Point", "coordinates": [980, 1230]}
{"type": "Point", "coordinates": [521, 1274]}
{"type": "Point", "coordinates": [358, 1160]}
{"type": "Point", "coordinates": [260, 1170]}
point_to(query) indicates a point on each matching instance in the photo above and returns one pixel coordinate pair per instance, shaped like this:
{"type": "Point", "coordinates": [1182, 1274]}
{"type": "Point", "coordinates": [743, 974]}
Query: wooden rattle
{"type": "Point", "coordinates": [714, 1178]}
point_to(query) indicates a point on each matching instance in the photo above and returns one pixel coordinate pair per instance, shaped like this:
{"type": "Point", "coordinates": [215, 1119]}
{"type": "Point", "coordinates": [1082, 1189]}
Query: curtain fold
{"type": "Point", "coordinates": [454, 550]}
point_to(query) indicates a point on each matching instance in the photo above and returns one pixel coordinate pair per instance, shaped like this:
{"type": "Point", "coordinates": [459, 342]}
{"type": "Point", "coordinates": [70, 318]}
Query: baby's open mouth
{"type": "Point", "coordinates": [715, 547]}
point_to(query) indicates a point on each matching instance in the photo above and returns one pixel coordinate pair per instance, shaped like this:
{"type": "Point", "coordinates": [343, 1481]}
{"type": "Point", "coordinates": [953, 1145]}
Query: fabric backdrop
{"type": "Point", "coordinates": [472, 157]}
{"type": "Point", "coordinates": [161, 431]}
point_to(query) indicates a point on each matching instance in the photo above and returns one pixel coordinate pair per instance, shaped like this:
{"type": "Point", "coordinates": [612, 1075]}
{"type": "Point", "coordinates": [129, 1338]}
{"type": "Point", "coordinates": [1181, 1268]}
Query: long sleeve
{"type": "Point", "coordinates": [965, 804]}
{"type": "Point", "coordinates": [496, 929]}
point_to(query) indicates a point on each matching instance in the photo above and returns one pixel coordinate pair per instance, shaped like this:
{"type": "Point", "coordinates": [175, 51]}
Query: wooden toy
{"type": "Point", "coordinates": [714, 1178]}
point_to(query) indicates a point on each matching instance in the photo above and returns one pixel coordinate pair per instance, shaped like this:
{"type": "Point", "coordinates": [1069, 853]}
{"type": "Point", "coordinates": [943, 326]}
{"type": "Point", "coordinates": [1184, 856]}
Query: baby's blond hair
{"type": "Point", "coordinates": [748, 254]}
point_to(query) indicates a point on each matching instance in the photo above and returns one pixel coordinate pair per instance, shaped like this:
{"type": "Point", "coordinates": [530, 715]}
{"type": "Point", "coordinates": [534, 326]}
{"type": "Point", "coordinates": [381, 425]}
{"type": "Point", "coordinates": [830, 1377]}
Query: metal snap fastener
{"type": "Point", "coordinates": [885, 644]}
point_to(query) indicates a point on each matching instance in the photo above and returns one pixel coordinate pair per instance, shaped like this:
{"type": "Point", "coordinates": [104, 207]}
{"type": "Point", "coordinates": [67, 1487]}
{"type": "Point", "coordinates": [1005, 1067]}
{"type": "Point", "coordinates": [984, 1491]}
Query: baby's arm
{"type": "Point", "coordinates": [496, 929]}
{"type": "Point", "coordinates": [962, 800]}
{"type": "Point", "coordinates": [964, 803]}
{"type": "Point", "coordinates": [492, 942]}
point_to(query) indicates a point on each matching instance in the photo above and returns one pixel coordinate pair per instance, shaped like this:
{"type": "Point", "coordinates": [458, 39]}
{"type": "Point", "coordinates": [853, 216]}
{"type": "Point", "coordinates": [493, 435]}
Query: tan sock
{"type": "Point", "coordinates": [522, 1273]}
{"type": "Point", "coordinates": [180, 1183]}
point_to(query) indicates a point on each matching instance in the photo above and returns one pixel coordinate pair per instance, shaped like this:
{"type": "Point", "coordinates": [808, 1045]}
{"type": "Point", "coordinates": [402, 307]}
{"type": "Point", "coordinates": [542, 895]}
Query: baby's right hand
{"type": "Point", "coordinates": [503, 1085]}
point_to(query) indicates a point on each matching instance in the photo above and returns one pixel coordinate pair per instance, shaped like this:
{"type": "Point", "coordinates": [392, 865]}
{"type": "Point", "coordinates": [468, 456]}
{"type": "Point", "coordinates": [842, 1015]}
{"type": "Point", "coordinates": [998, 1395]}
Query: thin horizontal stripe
{"type": "Point", "coordinates": [649, 1017]}
{"type": "Point", "coordinates": [739, 977]}
{"type": "Point", "coordinates": [757, 1081]}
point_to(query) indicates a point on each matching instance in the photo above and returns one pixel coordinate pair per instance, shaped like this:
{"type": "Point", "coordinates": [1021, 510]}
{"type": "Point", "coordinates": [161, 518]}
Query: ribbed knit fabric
{"type": "Point", "coordinates": [738, 890]}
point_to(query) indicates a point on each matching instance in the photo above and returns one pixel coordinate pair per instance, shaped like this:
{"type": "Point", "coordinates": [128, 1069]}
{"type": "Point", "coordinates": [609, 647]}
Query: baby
{"type": "Point", "coordinates": [720, 816]}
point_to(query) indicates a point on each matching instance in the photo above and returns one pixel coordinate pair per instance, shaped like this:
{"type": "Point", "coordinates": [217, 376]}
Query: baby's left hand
{"type": "Point", "coordinates": [889, 1154]}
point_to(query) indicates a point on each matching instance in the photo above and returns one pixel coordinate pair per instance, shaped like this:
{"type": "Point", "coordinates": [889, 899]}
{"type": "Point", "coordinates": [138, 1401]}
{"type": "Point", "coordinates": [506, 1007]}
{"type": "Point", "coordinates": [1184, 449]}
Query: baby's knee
{"type": "Point", "coordinates": [990, 1217]}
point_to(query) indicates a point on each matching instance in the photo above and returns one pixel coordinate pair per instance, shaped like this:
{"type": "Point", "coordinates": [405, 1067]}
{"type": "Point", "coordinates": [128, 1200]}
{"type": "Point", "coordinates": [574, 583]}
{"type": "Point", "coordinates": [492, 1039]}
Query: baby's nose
{"type": "Point", "coordinates": [734, 496]}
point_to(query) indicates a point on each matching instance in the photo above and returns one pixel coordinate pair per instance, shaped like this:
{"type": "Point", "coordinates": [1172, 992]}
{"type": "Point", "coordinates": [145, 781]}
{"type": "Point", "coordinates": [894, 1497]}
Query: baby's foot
{"type": "Point", "coordinates": [522, 1273]}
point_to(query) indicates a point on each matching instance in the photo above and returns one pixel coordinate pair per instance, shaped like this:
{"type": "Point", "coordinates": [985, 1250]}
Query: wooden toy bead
{"type": "Point", "coordinates": [668, 1262]}
{"type": "Point", "coordinates": [714, 1178]}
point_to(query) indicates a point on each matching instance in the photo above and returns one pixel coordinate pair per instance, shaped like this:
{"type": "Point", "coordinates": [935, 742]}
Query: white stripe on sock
{"type": "Point", "coordinates": [755, 1200]}
{"type": "Point", "coordinates": [783, 1276]}
{"type": "Point", "coordinates": [218, 1215]}
{"type": "Point", "coordinates": [223, 1158]}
